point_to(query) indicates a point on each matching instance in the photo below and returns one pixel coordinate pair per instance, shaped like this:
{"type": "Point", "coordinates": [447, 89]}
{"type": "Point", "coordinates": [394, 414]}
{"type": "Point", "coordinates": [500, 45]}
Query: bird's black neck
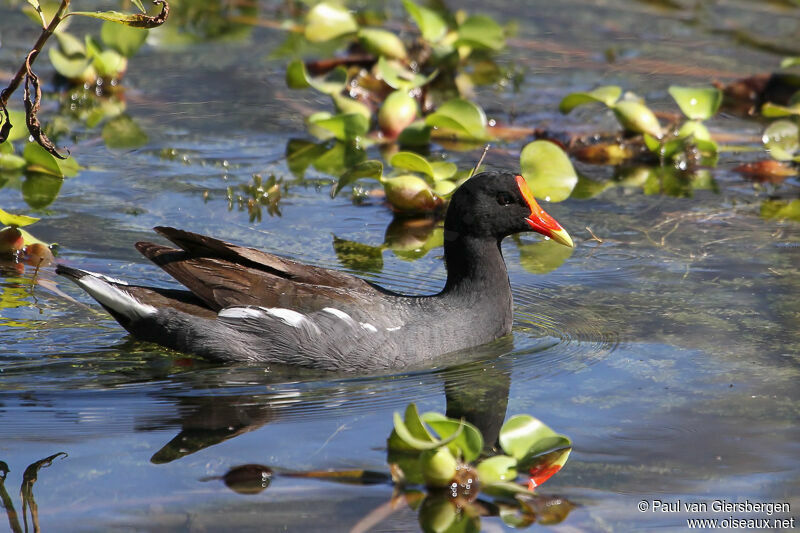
{"type": "Point", "coordinates": [475, 266]}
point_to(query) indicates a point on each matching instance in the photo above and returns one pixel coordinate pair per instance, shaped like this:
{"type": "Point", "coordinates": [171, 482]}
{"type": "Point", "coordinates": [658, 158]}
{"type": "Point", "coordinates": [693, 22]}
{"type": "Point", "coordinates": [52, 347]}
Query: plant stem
{"type": "Point", "coordinates": [46, 33]}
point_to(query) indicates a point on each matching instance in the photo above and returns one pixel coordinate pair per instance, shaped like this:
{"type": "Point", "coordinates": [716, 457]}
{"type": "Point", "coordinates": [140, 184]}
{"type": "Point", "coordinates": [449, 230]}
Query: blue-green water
{"type": "Point", "coordinates": [668, 352]}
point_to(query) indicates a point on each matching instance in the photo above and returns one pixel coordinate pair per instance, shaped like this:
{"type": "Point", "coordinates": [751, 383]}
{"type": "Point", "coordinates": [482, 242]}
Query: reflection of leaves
{"type": "Point", "coordinates": [358, 256]}
{"type": "Point", "coordinates": [345, 127]}
{"type": "Point", "coordinates": [40, 190]}
{"type": "Point", "coordinates": [339, 157]}
{"type": "Point", "coordinates": [372, 169]}
{"type": "Point", "coordinates": [123, 132]}
{"type": "Point", "coordinates": [301, 153]}
{"type": "Point", "coordinates": [544, 256]}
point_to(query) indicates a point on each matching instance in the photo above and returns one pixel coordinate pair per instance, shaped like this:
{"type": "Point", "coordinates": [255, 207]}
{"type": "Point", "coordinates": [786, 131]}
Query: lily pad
{"type": "Point", "coordinates": [480, 31]}
{"type": "Point", "coordinates": [782, 139]}
{"type": "Point", "coordinates": [607, 94]}
{"type": "Point", "coordinates": [326, 21]}
{"type": "Point", "coordinates": [460, 118]}
{"type": "Point", "coordinates": [366, 169]}
{"type": "Point", "coordinates": [430, 24]}
{"type": "Point", "coordinates": [697, 103]}
{"type": "Point", "coordinates": [548, 171]}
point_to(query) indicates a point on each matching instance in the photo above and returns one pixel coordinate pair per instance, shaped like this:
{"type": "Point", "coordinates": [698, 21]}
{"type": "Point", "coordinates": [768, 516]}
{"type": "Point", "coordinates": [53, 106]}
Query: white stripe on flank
{"type": "Point", "coordinates": [394, 328]}
{"type": "Point", "coordinates": [287, 316]}
{"type": "Point", "coordinates": [115, 298]}
{"type": "Point", "coordinates": [242, 312]}
{"type": "Point", "coordinates": [293, 318]}
{"type": "Point", "coordinates": [338, 313]}
{"type": "Point", "coordinates": [369, 327]}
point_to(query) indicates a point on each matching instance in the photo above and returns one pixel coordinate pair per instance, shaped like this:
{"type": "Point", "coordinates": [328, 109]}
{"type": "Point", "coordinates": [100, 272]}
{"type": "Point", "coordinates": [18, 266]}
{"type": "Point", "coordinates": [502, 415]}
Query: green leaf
{"type": "Point", "coordinates": [398, 77]}
{"type": "Point", "coordinates": [124, 39]}
{"type": "Point", "coordinates": [297, 77]}
{"type": "Point", "coordinates": [10, 161]}
{"type": "Point", "coordinates": [40, 160]}
{"type": "Point", "coordinates": [382, 43]}
{"type": "Point", "coordinates": [71, 67]}
{"type": "Point", "coordinates": [7, 219]}
{"type": "Point", "coordinates": [339, 157]}
{"type": "Point", "coordinates": [443, 170]}
{"type": "Point", "coordinates": [70, 45]}
{"type": "Point", "coordinates": [410, 434]}
{"type": "Point", "coordinates": [548, 171]}
{"type": "Point", "coordinates": [411, 193]}
{"type": "Point", "coordinates": [697, 103]}
{"type": "Point", "coordinates": [29, 239]}
{"type": "Point", "coordinates": [782, 139]}
{"type": "Point", "coordinates": [504, 489]}
{"type": "Point", "coordinates": [413, 162]}
{"type": "Point", "coordinates": [345, 104]}
{"type": "Point", "coordinates": [497, 468]}
{"type": "Point", "coordinates": [109, 64]}
{"type": "Point", "coordinates": [415, 134]}
{"type": "Point", "coordinates": [771, 110]}
{"type": "Point", "coordinates": [444, 188]}
{"type": "Point", "coordinates": [372, 169]}
{"type": "Point", "coordinates": [345, 127]}
{"type": "Point", "coordinates": [696, 129]}
{"type": "Point", "coordinates": [607, 94]}
{"type": "Point", "coordinates": [430, 24]}
{"type": "Point", "coordinates": [460, 118]}
{"type": "Point", "coordinates": [19, 129]}
{"type": "Point", "coordinates": [138, 4]}
{"type": "Point", "coordinates": [136, 20]}
{"type": "Point", "coordinates": [522, 435]}
{"type": "Point", "coordinates": [781, 209]}
{"type": "Point", "coordinates": [301, 153]}
{"type": "Point", "coordinates": [122, 132]}
{"type": "Point", "coordinates": [327, 21]}
{"type": "Point", "coordinates": [468, 445]}
{"type": "Point", "coordinates": [480, 31]}
{"type": "Point", "coordinates": [787, 62]}
{"type": "Point", "coordinates": [636, 117]}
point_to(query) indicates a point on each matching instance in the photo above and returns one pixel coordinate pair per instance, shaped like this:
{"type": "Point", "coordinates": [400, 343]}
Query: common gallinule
{"type": "Point", "coordinates": [245, 305]}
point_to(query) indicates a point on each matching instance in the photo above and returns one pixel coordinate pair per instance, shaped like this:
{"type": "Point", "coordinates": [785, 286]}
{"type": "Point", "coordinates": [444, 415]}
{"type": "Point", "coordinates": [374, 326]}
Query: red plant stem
{"type": "Point", "coordinates": [46, 33]}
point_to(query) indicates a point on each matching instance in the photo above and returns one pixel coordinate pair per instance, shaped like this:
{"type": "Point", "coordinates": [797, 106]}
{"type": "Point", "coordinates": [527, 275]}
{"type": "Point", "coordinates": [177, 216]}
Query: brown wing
{"type": "Point", "coordinates": [223, 275]}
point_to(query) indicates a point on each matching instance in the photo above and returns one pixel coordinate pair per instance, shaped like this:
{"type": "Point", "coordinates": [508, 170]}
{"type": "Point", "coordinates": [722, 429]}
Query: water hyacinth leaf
{"type": "Point", "coordinates": [467, 445]}
{"type": "Point", "coordinates": [438, 466]}
{"type": "Point", "coordinates": [11, 161]}
{"type": "Point", "coordinates": [782, 139]}
{"type": "Point", "coordinates": [413, 162]}
{"type": "Point", "coordinates": [771, 110]}
{"type": "Point", "coordinates": [135, 20]}
{"type": "Point", "coordinates": [411, 434]}
{"type": "Point", "coordinates": [71, 67]}
{"type": "Point", "coordinates": [29, 239]}
{"type": "Point", "coordinates": [17, 120]}
{"type": "Point", "coordinates": [40, 160]}
{"type": "Point", "coordinates": [8, 219]}
{"type": "Point", "coordinates": [297, 77]}
{"type": "Point", "coordinates": [372, 169]}
{"type": "Point", "coordinates": [346, 105]}
{"type": "Point", "coordinates": [696, 129]}
{"type": "Point", "coordinates": [326, 21]}
{"type": "Point", "coordinates": [70, 45]}
{"type": "Point", "coordinates": [40, 190]}
{"type": "Point", "coordinates": [123, 132]}
{"type": "Point", "coordinates": [382, 43]}
{"type": "Point", "coordinates": [123, 39]}
{"type": "Point", "coordinates": [541, 467]}
{"type": "Point", "coordinates": [346, 127]}
{"type": "Point", "coordinates": [109, 64]}
{"type": "Point", "coordinates": [635, 117]}
{"type": "Point", "coordinates": [787, 62]}
{"type": "Point", "coordinates": [545, 256]}
{"type": "Point", "coordinates": [523, 434]}
{"type": "Point", "coordinates": [443, 170]}
{"type": "Point", "coordinates": [697, 103]}
{"type": "Point", "coordinates": [607, 94]}
{"type": "Point", "coordinates": [398, 77]}
{"type": "Point", "coordinates": [497, 468]}
{"type": "Point", "coordinates": [460, 118]}
{"type": "Point", "coordinates": [415, 134]}
{"type": "Point", "coordinates": [411, 193]}
{"type": "Point", "coordinates": [548, 171]}
{"type": "Point", "coordinates": [480, 31]}
{"type": "Point", "coordinates": [504, 489]}
{"type": "Point", "coordinates": [430, 24]}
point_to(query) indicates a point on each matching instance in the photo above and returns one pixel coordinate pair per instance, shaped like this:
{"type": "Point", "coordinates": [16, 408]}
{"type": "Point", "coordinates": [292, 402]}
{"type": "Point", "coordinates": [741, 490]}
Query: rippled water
{"type": "Point", "coordinates": [668, 352]}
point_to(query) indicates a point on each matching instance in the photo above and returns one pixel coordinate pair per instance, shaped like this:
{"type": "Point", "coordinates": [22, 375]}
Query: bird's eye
{"type": "Point", "coordinates": [504, 198]}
